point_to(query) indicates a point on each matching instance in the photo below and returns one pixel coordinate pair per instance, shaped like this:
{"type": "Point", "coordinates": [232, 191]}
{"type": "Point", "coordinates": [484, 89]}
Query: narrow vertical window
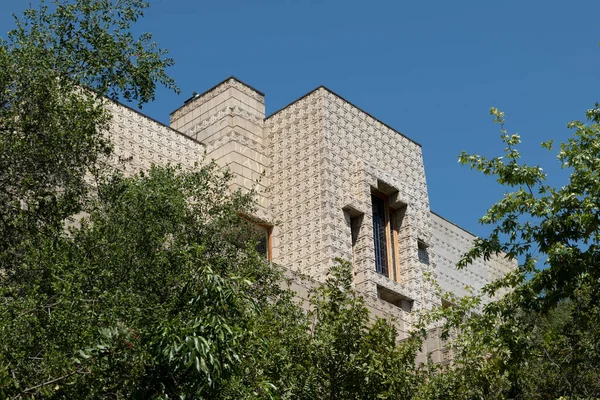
{"type": "Point", "coordinates": [266, 247]}
{"type": "Point", "coordinates": [386, 224]}
{"type": "Point", "coordinates": [262, 241]}
{"type": "Point", "coordinates": [380, 233]}
{"type": "Point", "coordinates": [423, 252]}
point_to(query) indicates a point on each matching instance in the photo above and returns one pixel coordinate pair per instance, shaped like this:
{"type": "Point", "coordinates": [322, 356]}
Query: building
{"type": "Point", "coordinates": [332, 182]}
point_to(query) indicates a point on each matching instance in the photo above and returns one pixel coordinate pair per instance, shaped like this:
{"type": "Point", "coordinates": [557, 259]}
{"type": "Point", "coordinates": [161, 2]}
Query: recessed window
{"type": "Point", "coordinates": [259, 233]}
{"type": "Point", "coordinates": [385, 236]}
{"type": "Point", "coordinates": [394, 298]}
{"type": "Point", "coordinates": [423, 252]}
{"type": "Point", "coordinates": [380, 235]}
{"type": "Point", "coordinates": [263, 240]}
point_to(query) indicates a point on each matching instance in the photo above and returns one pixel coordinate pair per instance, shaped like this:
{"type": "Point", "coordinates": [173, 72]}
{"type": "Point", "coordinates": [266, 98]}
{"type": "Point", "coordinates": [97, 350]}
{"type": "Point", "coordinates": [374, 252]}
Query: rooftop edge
{"type": "Point", "coordinates": [349, 102]}
{"type": "Point", "coordinates": [187, 101]}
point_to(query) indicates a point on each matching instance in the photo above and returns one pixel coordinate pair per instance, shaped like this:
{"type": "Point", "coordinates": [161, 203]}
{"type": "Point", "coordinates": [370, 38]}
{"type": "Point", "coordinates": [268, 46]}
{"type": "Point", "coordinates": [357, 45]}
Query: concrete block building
{"type": "Point", "coordinates": [332, 182]}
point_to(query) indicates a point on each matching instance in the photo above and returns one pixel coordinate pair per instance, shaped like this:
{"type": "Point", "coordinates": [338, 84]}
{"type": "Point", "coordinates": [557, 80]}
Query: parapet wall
{"type": "Point", "coordinates": [139, 141]}
{"type": "Point", "coordinates": [449, 243]}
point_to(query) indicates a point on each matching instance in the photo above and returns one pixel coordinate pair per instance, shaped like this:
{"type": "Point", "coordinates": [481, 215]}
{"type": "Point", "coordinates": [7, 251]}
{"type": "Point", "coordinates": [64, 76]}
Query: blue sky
{"type": "Point", "coordinates": [430, 69]}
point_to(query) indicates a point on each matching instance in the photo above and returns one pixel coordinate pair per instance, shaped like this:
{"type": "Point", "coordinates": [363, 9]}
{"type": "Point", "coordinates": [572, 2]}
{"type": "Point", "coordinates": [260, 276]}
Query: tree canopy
{"type": "Point", "coordinates": [151, 285]}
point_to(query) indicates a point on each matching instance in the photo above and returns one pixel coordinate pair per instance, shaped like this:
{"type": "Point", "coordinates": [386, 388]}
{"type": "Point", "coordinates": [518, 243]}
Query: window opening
{"type": "Point", "coordinates": [394, 298]}
{"type": "Point", "coordinates": [264, 244]}
{"type": "Point", "coordinates": [259, 233]}
{"type": "Point", "coordinates": [423, 252]}
{"type": "Point", "coordinates": [380, 233]}
{"type": "Point", "coordinates": [262, 239]}
{"type": "Point", "coordinates": [385, 236]}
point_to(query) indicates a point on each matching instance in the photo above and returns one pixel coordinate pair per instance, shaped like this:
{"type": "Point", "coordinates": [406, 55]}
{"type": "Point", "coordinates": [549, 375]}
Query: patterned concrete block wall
{"type": "Point", "coordinates": [449, 243]}
{"type": "Point", "coordinates": [229, 120]}
{"type": "Point", "coordinates": [315, 164]}
{"type": "Point", "coordinates": [326, 158]}
{"type": "Point", "coordinates": [140, 141]}
{"type": "Point", "coordinates": [362, 154]}
{"type": "Point", "coordinates": [296, 197]}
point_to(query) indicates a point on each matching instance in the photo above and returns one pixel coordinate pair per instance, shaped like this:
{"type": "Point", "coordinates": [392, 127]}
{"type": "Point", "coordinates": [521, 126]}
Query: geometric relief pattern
{"type": "Point", "coordinates": [321, 148]}
{"type": "Point", "coordinates": [450, 242]}
{"type": "Point", "coordinates": [386, 156]}
{"type": "Point", "coordinates": [143, 142]}
{"type": "Point", "coordinates": [322, 157]}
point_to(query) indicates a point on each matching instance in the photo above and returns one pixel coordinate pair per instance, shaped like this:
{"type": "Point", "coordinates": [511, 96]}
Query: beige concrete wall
{"type": "Point", "coordinates": [140, 141]}
{"type": "Point", "coordinates": [449, 243]}
{"type": "Point", "coordinates": [363, 154]}
{"type": "Point", "coordinates": [296, 198]}
{"type": "Point", "coordinates": [326, 157]}
{"type": "Point", "coordinates": [314, 165]}
{"type": "Point", "coordinates": [229, 120]}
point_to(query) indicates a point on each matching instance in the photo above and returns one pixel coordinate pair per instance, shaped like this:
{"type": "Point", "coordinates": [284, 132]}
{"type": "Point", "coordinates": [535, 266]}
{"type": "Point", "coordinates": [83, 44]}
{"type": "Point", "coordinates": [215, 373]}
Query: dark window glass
{"type": "Point", "coordinates": [260, 236]}
{"type": "Point", "coordinates": [423, 253]}
{"type": "Point", "coordinates": [262, 246]}
{"type": "Point", "coordinates": [379, 227]}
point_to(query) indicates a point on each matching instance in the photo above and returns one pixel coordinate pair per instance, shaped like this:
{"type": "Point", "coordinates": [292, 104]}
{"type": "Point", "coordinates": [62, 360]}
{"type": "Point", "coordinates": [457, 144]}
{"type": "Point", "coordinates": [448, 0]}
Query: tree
{"type": "Point", "coordinates": [540, 339]}
{"type": "Point", "coordinates": [350, 355]}
{"type": "Point", "coordinates": [153, 296]}
{"type": "Point", "coordinates": [335, 350]}
{"type": "Point", "coordinates": [57, 68]}
{"type": "Point", "coordinates": [536, 220]}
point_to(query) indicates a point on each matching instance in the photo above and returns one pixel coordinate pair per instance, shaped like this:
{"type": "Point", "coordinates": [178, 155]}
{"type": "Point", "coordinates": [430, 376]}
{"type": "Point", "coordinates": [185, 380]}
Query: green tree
{"type": "Point", "coordinates": [155, 295]}
{"type": "Point", "coordinates": [535, 220]}
{"type": "Point", "coordinates": [57, 68]}
{"type": "Point", "coordinates": [540, 340]}
{"type": "Point", "coordinates": [350, 355]}
{"type": "Point", "coordinates": [335, 350]}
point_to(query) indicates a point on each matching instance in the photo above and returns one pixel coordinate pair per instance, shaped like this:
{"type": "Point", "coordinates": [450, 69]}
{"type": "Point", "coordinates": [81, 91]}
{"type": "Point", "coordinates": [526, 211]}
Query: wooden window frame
{"type": "Point", "coordinates": [268, 231]}
{"type": "Point", "coordinates": [391, 236]}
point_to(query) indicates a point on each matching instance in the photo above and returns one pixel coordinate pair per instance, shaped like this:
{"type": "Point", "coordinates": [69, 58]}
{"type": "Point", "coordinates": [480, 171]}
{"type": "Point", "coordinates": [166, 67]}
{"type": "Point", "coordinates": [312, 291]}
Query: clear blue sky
{"type": "Point", "coordinates": [430, 69]}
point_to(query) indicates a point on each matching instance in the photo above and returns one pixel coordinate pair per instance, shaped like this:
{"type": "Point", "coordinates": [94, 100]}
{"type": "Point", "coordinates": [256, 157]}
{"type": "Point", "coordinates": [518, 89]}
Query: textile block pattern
{"type": "Point", "coordinates": [314, 166]}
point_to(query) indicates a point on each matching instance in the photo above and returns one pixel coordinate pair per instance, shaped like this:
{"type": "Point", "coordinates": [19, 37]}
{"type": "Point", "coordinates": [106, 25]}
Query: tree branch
{"type": "Point", "coordinates": [50, 382]}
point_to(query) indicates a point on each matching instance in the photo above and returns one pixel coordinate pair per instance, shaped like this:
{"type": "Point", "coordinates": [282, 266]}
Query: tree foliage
{"type": "Point", "coordinates": [151, 286]}
{"type": "Point", "coordinates": [339, 352]}
{"type": "Point", "coordinates": [56, 69]}
{"type": "Point", "coordinates": [158, 293]}
{"type": "Point", "coordinates": [145, 298]}
{"type": "Point", "coordinates": [534, 220]}
{"type": "Point", "coordinates": [540, 340]}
